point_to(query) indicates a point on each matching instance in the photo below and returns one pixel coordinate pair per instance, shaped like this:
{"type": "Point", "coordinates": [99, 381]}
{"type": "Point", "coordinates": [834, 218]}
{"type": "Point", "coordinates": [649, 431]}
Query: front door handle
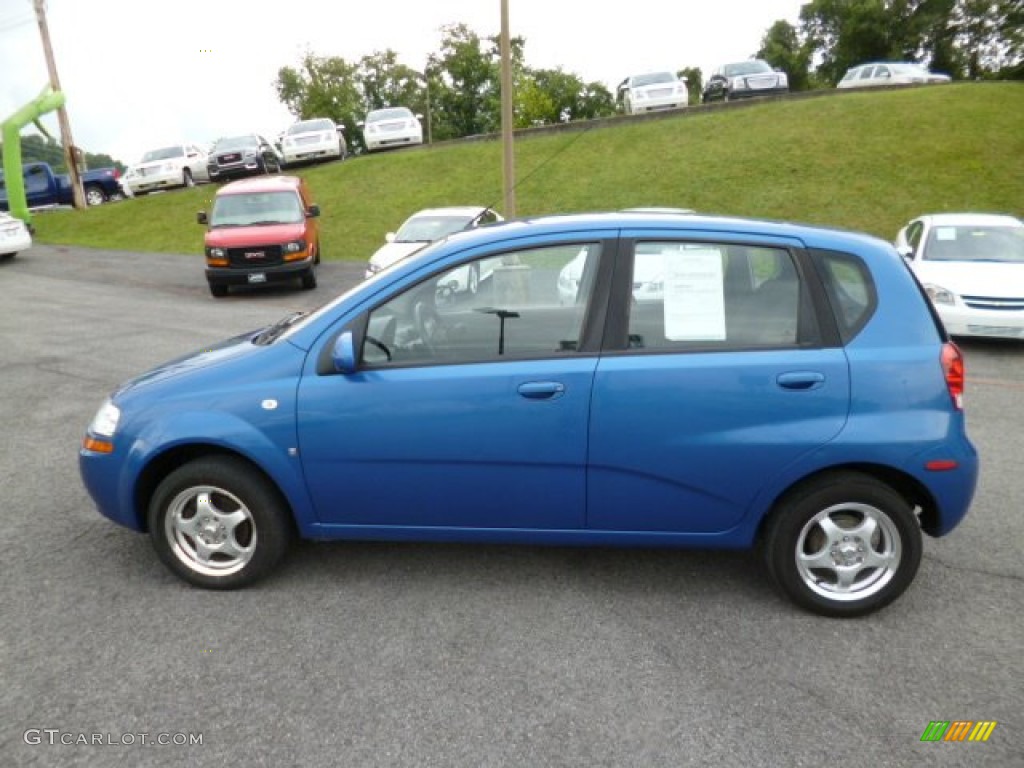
{"type": "Point", "coordinates": [800, 380]}
{"type": "Point", "coordinates": [542, 390]}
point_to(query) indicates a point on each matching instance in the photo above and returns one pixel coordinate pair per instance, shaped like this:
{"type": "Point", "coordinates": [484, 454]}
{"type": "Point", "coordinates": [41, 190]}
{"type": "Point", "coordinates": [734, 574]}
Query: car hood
{"type": "Point", "coordinates": [974, 278]}
{"type": "Point", "coordinates": [229, 349]}
{"type": "Point", "coordinates": [388, 254]}
{"type": "Point", "coordinates": [262, 234]}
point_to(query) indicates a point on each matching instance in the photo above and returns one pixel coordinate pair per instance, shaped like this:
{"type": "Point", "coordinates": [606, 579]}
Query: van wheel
{"type": "Point", "coordinates": [309, 280]}
{"type": "Point", "coordinates": [844, 545]}
{"type": "Point", "coordinates": [218, 523]}
{"type": "Point", "coordinates": [219, 291]}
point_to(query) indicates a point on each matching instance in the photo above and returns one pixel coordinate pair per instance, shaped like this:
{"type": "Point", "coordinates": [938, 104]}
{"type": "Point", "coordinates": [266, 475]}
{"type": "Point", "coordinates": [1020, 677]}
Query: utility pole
{"type": "Point", "coordinates": [62, 116]}
{"type": "Point", "coordinates": [508, 154]}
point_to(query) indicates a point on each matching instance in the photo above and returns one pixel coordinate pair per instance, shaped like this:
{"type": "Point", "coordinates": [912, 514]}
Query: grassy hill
{"type": "Point", "coordinates": [864, 160]}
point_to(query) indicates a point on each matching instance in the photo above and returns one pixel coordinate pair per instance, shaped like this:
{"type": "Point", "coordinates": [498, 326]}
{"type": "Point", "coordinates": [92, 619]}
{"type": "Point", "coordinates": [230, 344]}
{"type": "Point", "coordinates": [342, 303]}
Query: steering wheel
{"type": "Point", "coordinates": [428, 325]}
{"type": "Point", "coordinates": [379, 345]}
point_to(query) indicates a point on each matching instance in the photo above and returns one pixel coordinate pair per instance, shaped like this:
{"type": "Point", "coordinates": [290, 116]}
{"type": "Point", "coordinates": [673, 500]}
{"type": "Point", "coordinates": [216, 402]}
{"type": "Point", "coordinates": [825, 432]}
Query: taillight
{"type": "Point", "coordinates": [953, 369]}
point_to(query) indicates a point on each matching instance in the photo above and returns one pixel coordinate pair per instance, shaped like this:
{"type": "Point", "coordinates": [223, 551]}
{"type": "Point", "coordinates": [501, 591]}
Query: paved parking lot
{"type": "Point", "coordinates": [366, 654]}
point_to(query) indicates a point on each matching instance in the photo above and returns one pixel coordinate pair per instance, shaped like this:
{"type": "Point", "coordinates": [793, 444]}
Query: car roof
{"type": "Point", "coordinates": [972, 219]}
{"type": "Point", "coordinates": [261, 184]}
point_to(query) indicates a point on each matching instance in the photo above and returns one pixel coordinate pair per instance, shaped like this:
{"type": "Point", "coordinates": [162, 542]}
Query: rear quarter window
{"type": "Point", "coordinates": [850, 290]}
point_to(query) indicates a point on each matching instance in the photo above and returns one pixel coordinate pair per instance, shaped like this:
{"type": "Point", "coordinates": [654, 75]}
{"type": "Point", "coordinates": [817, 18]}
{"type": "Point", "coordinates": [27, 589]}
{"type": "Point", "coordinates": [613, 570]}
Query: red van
{"type": "Point", "coordinates": [261, 230]}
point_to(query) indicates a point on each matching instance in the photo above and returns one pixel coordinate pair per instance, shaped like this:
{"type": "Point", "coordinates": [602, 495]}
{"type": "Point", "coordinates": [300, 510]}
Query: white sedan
{"type": "Point", "coordinates": [14, 236]}
{"type": "Point", "coordinates": [316, 139]}
{"type": "Point", "coordinates": [427, 226]}
{"type": "Point", "coordinates": [889, 73]}
{"type": "Point", "coordinates": [178, 165]}
{"type": "Point", "coordinates": [972, 267]}
{"type": "Point", "coordinates": [391, 127]}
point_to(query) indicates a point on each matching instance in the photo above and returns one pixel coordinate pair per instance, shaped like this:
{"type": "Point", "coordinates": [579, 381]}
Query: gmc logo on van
{"type": "Point", "coordinates": [255, 255]}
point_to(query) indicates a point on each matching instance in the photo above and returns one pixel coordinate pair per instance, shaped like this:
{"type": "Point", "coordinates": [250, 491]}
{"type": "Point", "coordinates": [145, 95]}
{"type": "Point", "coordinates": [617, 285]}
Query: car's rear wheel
{"type": "Point", "coordinates": [843, 545]}
{"type": "Point", "coordinates": [218, 290]}
{"type": "Point", "coordinates": [94, 195]}
{"type": "Point", "coordinates": [218, 523]}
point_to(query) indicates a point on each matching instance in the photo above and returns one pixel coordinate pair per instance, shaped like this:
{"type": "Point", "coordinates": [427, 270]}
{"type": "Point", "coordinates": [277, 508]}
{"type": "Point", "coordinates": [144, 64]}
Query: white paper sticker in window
{"type": "Point", "coordinates": [694, 300]}
{"type": "Point", "coordinates": [945, 233]}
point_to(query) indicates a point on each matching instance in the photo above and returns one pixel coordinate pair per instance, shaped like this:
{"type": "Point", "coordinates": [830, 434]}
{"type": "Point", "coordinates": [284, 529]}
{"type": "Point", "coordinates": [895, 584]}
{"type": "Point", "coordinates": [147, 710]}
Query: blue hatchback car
{"type": "Point", "coordinates": [637, 378]}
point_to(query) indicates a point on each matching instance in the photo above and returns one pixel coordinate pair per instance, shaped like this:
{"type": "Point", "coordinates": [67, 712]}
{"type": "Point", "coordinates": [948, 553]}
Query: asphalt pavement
{"type": "Point", "coordinates": [377, 654]}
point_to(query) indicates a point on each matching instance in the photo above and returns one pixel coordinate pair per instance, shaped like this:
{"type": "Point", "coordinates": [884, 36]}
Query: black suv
{"type": "Point", "coordinates": [744, 80]}
{"type": "Point", "coordinates": [247, 155]}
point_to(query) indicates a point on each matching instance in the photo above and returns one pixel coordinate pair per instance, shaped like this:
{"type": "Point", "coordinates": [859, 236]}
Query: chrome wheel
{"type": "Point", "coordinates": [848, 552]}
{"type": "Point", "coordinates": [94, 196]}
{"type": "Point", "coordinates": [210, 530]}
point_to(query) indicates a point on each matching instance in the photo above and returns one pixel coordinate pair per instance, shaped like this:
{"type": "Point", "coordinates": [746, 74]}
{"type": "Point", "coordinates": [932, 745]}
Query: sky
{"type": "Point", "coordinates": [140, 74]}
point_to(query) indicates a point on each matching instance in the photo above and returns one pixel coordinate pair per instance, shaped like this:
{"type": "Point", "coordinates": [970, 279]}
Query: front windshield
{"type": "Point", "coordinates": [311, 126]}
{"type": "Point", "coordinates": [654, 77]}
{"type": "Point", "coordinates": [256, 208]}
{"type": "Point", "coordinates": [235, 142]}
{"type": "Point", "coordinates": [967, 243]}
{"type": "Point", "coordinates": [747, 68]}
{"type": "Point", "coordinates": [426, 229]}
{"type": "Point", "coordinates": [163, 154]}
{"type": "Point", "coordinates": [396, 113]}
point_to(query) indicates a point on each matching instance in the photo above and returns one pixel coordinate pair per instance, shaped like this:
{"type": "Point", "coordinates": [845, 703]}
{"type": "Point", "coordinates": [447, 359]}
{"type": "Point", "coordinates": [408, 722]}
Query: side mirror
{"type": "Point", "coordinates": [389, 237]}
{"type": "Point", "coordinates": [344, 354]}
{"type": "Point", "coordinates": [313, 211]}
{"type": "Point", "coordinates": [906, 251]}
{"type": "Point", "coordinates": [201, 218]}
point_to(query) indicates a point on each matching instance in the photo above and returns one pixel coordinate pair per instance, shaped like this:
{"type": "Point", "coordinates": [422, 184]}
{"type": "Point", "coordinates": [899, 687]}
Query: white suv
{"type": "Point", "coordinates": [655, 90]}
{"type": "Point", "coordinates": [178, 165]}
{"type": "Point", "coordinates": [316, 139]}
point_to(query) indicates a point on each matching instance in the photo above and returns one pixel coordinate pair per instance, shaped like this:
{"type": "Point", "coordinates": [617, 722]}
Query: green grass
{"type": "Point", "coordinates": [865, 160]}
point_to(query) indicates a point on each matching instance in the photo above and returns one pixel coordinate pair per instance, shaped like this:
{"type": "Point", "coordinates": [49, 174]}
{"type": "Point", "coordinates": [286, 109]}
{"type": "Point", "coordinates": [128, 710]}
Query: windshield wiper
{"type": "Point", "coordinates": [272, 332]}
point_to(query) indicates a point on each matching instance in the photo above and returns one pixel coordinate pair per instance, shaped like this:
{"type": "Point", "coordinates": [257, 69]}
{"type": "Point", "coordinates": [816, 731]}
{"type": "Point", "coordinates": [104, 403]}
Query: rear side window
{"type": "Point", "coordinates": [850, 290]}
{"type": "Point", "coordinates": [690, 296]}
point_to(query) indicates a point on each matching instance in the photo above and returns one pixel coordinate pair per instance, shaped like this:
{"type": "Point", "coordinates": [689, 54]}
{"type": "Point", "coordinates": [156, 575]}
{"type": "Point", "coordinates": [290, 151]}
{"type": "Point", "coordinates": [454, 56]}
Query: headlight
{"type": "Point", "coordinates": [104, 423]}
{"type": "Point", "coordinates": [250, 153]}
{"type": "Point", "coordinates": [215, 253]}
{"type": "Point", "coordinates": [295, 246]}
{"type": "Point", "coordinates": [739, 84]}
{"type": "Point", "coordinates": [940, 295]}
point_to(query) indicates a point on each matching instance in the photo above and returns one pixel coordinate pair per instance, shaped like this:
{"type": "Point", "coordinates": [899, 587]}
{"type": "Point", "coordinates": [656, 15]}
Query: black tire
{"type": "Point", "coordinates": [94, 195]}
{"type": "Point", "coordinates": [219, 524]}
{"type": "Point", "coordinates": [218, 290]}
{"type": "Point", "coordinates": [309, 280]}
{"type": "Point", "coordinates": [186, 178]}
{"type": "Point", "coordinates": [872, 543]}
{"type": "Point", "coordinates": [316, 254]}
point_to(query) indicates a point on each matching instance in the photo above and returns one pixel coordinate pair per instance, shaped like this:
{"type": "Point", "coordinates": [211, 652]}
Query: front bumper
{"type": "Point", "coordinates": [310, 152]}
{"type": "Point", "coordinates": [276, 273]}
{"type": "Point", "coordinates": [162, 180]}
{"type": "Point", "coordinates": [961, 320]}
{"type": "Point", "coordinates": [241, 168]}
{"type": "Point", "coordinates": [753, 93]}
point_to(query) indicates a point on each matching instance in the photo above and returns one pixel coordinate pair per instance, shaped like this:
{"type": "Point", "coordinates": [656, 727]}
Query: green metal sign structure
{"type": "Point", "coordinates": [10, 129]}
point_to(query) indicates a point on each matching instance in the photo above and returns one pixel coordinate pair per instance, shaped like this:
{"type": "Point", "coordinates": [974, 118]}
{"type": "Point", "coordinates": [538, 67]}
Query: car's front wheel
{"type": "Point", "coordinates": [844, 545]}
{"type": "Point", "coordinates": [218, 523]}
{"type": "Point", "coordinates": [186, 178]}
{"type": "Point", "coordinates": [94, 195]}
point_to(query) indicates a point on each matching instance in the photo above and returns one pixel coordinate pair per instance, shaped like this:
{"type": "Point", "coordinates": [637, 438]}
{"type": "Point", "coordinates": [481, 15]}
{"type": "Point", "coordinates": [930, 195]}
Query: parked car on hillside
{"type": "Point", "coordinates": [176, 165]}
{"type": "Point", "coordinates": [46, 188]}
{"type": "Point", "coordinates": [889, 73]}
{"type": "Point", "coordinates": [244, 155]}
{"type": "Point", "coordinates": [744, 80]}
{"type": "Point", "coordinates": [14, 236]}
{"type": "Point", "coordinates": [815, 414]}
{"type": "Point", "coordinates": [653, 91]}
{"type": "Point", "coordinates": [391, 127]}
{"type": "Point", "coordinates": [428, 226]}
{"type": "Point", "coordinates": [260, 231]}
{"type": "Point", "coordinates": [317, 139]}
{"type": "Point", "coordinates": [972, 267]}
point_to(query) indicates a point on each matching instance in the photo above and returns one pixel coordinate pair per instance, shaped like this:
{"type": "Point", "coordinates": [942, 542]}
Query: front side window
{"type": "Point", "coordinates": [518, 305]}
{"type": "Point", "coordinates": [715, 296]}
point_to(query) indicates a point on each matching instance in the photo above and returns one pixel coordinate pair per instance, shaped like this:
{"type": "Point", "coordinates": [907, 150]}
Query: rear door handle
{"type": "Point", "coordinates": [542, 390]}
{"type": "Point", "coordinates": [800, 380]}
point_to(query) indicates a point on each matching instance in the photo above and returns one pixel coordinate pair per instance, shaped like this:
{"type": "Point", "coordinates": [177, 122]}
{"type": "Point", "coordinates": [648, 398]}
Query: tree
{"type": "Point", "coordinates": [782, 47]}
{"type": "Point", "coordinates": [548, 96]}
{"type": "Point", "coordinates": [386, 83]}
{"type": "Point", "coordinates": [694, 82]}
